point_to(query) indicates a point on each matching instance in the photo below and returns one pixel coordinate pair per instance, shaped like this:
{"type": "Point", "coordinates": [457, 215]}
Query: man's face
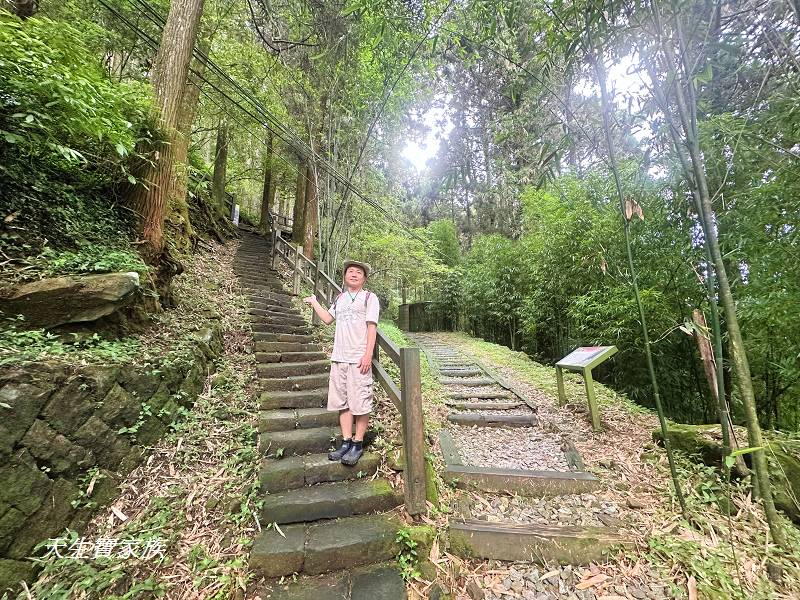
{"type": "Point", "coordinates": [354, 276]}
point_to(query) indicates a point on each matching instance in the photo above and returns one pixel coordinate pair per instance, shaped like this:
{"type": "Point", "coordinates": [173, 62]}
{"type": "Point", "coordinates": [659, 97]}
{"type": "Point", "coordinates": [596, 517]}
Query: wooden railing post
{"type": "Point", "coordinates": [315, 320]}
{"type": "Point", "coordinates": [413, 430]}
{"type": "Point", "coordinates": [272, 250]}
{"type": "Point", "coordinates": [296, 285]}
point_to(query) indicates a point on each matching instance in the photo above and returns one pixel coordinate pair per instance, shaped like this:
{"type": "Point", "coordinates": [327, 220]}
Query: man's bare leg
{"type": "Point", "coordinates": [346, 423]}
{"type": "Point", "coordinates": [362, 421]}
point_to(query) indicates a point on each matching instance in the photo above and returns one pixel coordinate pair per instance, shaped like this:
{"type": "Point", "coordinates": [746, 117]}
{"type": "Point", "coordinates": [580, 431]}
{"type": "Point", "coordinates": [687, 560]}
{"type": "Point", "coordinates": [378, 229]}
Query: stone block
{"type": "Point", "coordinates": [26, 401]}
{"type": "Point", "coordinates": [22, 484]}
{"type": "Point", "coordinates": [274, 555]}
{"type": "Point", "coordinates": [53, 516]}
{"type": "Point", "coordinates": [12, 572]}
{"type": "Point", "coordinates": [55, 450]}
{"type": "Point", "coordinates": [142, 385]}
{"type": "Point", "coordinates": [108, 447]}
{"type": "Point", "coordinates": [71, 406]}
{"type": "Point", "coordinates": [119, 408]}
{"type": "Point", "coordinates": [11, 521]}
{"type": "Point", "coordinates": [381, 582]}
{"type": "Point", "coordinates": [151, 431]}
{"type": "Point", "coordinates": [350, 543]}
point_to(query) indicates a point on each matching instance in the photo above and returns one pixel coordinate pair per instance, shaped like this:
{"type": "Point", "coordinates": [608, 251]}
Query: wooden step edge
{"type": "Point", "coordinates": [488, 420]}
{"type": "Point", "coordinates": [544, 544]}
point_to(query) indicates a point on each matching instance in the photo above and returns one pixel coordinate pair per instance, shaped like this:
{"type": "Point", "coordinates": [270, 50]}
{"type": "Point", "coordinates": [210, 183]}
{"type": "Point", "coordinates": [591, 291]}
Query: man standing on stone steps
{"type": "Point", "coordinates": [350, 388]}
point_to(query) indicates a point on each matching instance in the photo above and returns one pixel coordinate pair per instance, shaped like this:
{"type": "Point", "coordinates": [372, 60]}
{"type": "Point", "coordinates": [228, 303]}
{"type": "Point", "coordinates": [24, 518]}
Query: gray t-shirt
{"type": "Point", "coordinates": [352, 315]}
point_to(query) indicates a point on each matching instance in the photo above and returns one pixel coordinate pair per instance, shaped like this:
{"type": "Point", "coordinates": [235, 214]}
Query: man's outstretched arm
{"type": "Point", "coordinates": [322, 313]}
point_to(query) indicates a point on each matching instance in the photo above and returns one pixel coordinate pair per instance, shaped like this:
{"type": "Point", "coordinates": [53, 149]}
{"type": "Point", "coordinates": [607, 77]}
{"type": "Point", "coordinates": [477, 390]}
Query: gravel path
{"type": "Point", "coordinates": [510, 448]}
{"type": "Point", "coordinates": [584, 510]}
{"type": "Point", "coordinates": [538, 583]}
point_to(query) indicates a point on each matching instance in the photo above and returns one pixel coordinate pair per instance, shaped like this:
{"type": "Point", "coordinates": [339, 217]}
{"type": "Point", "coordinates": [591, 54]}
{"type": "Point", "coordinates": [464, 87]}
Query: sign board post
{"type": "Point", "coordinates": [584, 359]}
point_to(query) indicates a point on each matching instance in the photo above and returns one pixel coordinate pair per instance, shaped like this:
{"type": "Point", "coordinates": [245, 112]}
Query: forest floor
{"type": "Point", "coordinates": [710, 555]}
{"type": "Point", "coordinates": [196, 491]}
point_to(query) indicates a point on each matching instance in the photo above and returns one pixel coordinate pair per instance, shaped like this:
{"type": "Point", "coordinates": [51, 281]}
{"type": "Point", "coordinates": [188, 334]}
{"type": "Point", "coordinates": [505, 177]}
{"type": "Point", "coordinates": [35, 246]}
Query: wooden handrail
{"type": "Point", "coordinates": [406, 397]}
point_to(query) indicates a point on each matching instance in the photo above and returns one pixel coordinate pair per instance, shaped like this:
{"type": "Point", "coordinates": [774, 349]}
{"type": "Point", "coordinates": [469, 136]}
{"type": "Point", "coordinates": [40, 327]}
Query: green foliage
{"type": "Point", "coordinates": [407, 558]}
{"type": "Point", "coordinates": [444, 236]}
{"type": "Point", "coordinates": [67, 138]}
{"type": "Point", "coordinates": [18, 345]}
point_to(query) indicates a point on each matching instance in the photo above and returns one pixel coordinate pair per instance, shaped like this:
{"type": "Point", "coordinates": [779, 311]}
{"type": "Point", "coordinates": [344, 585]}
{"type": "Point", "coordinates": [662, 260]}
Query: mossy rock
{"type": "Point", "coordinates": [12, 572]}
{"type": "Point", "coordinates": [705, 442]}
{"type": "Point", "coordinates": [431, 489]}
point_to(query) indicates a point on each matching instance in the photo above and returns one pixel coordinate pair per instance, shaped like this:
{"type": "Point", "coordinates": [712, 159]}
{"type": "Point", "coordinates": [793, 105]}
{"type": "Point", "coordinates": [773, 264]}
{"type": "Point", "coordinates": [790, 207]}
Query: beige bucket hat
{"type": "Point", "coordinates": [355, 263]}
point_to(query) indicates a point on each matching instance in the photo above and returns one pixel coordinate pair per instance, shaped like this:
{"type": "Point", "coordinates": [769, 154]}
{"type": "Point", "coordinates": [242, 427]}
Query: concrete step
{"type": "Point", "coordinates": [289, 357]}
{"type": "Point", "coordinates": [279, 475]}
{"type": "Point", "coordinates": [325, 547]}
{"type": "Point", "coordinates": [462, 381]}
{"type": "Point", "coordinates": [493, 420]}
{"type": "Point", "coordinates": [297, 382]}
{"type": "Point", "coordinates": [286, 347]}
{"type": "Point", "coordinates": [291, 369]}
{"type": "Point", "coordinates": [311, 398]}
{"type": "Point", "coordinates": [461, 372]}
{"type": "Point", "coordinates": [274, 309]}
{"type": "Point", "coordinates": [271, 336]}
{"type": "Point", "coordinates": [297, 441]}
{"type": "Point", "coordinates": [329, 501]}
{"type": "Point", "coordinates": [283, 419]}
{"type": "Point", "coordinates": [276, 328]}
{"type": "Point", "coordinates": [478, 393]}
{"type": "Point", "coordinates": [269, 300]}
{"type": "Point", "coordinates": [258, 316]}
{"type": "Point", "coordinates": [268, 290]}
{"type": "Point", "coordinates": [375, 582]}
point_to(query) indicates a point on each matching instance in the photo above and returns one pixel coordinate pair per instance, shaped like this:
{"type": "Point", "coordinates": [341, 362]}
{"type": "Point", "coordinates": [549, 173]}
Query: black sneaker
{"type": "Point", "coordinates": [338, 454]}
{"type": "Point", "coordinates": [352, 455]}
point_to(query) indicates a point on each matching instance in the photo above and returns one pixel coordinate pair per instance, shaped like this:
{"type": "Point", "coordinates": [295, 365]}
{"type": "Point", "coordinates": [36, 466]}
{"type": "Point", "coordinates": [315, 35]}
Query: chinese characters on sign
{"type": "Point", "coordinates": [105, 548]}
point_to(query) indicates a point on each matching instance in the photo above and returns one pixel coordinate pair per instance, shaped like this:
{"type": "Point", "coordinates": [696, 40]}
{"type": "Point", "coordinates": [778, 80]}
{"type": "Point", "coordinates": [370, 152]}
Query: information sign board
{"type": "Point", "coordinates": [584, 359]}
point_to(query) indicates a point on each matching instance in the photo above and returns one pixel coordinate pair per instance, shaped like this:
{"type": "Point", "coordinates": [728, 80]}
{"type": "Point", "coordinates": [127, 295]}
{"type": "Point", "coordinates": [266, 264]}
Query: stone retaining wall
{"type": "Point", "coordinates": [63, 426]}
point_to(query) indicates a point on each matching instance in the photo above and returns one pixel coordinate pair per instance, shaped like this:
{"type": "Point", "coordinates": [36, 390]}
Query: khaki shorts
{"type": "Point", "coordinates": [350, 389]}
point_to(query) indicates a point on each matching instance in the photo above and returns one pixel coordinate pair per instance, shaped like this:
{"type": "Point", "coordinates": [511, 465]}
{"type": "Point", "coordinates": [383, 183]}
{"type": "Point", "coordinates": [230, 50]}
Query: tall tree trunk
{"type": "Point", "coordinates": [177, 215]}
{"type": "Point", "coordinates": [220, 167]}
{"type": "Point", "coordinates": [266, 194]}
{"type": "Point", "coordinates": [25, 8]}
{"type": "Point", "coordinates": [298, 214]}
{"type": "Point", "coordinates": [310, 211]}
{"type": "Point", "coordinates": [170, 69]}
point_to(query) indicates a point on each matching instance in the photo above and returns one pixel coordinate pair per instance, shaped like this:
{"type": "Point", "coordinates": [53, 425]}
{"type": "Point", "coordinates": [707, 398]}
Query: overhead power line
{"type": "Point", "coordinates": [264, 116]}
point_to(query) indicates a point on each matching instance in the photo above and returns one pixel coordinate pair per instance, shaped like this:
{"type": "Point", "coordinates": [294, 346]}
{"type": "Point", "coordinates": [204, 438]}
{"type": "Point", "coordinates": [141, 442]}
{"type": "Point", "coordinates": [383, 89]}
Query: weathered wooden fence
{"type": "Point", "coordinates": [406, 394]}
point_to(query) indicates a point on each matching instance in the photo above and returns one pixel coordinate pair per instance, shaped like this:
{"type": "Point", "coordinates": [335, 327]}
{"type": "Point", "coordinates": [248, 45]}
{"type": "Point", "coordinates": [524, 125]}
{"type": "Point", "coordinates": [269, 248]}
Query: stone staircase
{"type": "Point", "coordinates": [318, 516]}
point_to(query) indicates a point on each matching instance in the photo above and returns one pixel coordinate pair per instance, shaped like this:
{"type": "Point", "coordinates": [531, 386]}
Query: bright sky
{"type": "Point", "coordinates": [418, 154]}
{"type": "Point", "coordinates": [622, 81]}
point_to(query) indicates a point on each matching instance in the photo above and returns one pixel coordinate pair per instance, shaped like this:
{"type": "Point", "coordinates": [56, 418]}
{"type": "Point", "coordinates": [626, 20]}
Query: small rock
{"type": "Point", "coordinates": [474, 590]}
{"type": "Point", "coordinates": [566, 572]}
{"type": "Point", "coordinates": [637, 593]}
{"type": "Point", "coordinates": [517, 586]}
{"type": "Point", "coordinates": [635, 503]}
{"type": "Point", "coordinates": [606, 463]}
{"type": "Point", "coordinates": [507, 583]}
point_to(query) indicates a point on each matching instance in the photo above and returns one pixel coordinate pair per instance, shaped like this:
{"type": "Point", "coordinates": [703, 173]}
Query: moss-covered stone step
{"type": "Point", "coordinates": [478, 393]}
{"type": "Point", "coordinates": [289, 357]}
{"type": "Point", "coordinates": [279, 475]}
{"type": "Point", "coordinates": [329, 501]}
{"type": "Point", "coordinates": [539, 543]}
{"type": "Point", "coordinates": [451, 372]}
{"type": "Point", "coordinates": [277, 328]}
{"type": "Point", "coordinates": [292, 442]}
{"type": "Point", "coordinates": [268, 291]}
{"type": "Point", "coordinates": [311, 398]}
{"type": "Point", "coordinates": [375, 582]}
{"type": "Point", "coordinates": [301, 418]}
{"type": "Point", "coordinates": [461, 405]}
{"type": "Point", "coordinates": [299, 382]}
{"type": "Point", "coordinates": [289, 369]}
{"type": "Point", "coordinates": [275, 309]}
{"type": "Point", "coordinates": [492, 420]}
{"type": "Point", "coordinates": [260, 315]}
{"type": "Point", "coordinates": [292, 338]}
{"type": "Point", "coordinates": [269, 300]}
{"type": "Point", "coordinates": [469, 382]}
{"type": "Point", "coordinates": [286, 347]}
{"type": "Point", "coordinates": [325, 547]}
